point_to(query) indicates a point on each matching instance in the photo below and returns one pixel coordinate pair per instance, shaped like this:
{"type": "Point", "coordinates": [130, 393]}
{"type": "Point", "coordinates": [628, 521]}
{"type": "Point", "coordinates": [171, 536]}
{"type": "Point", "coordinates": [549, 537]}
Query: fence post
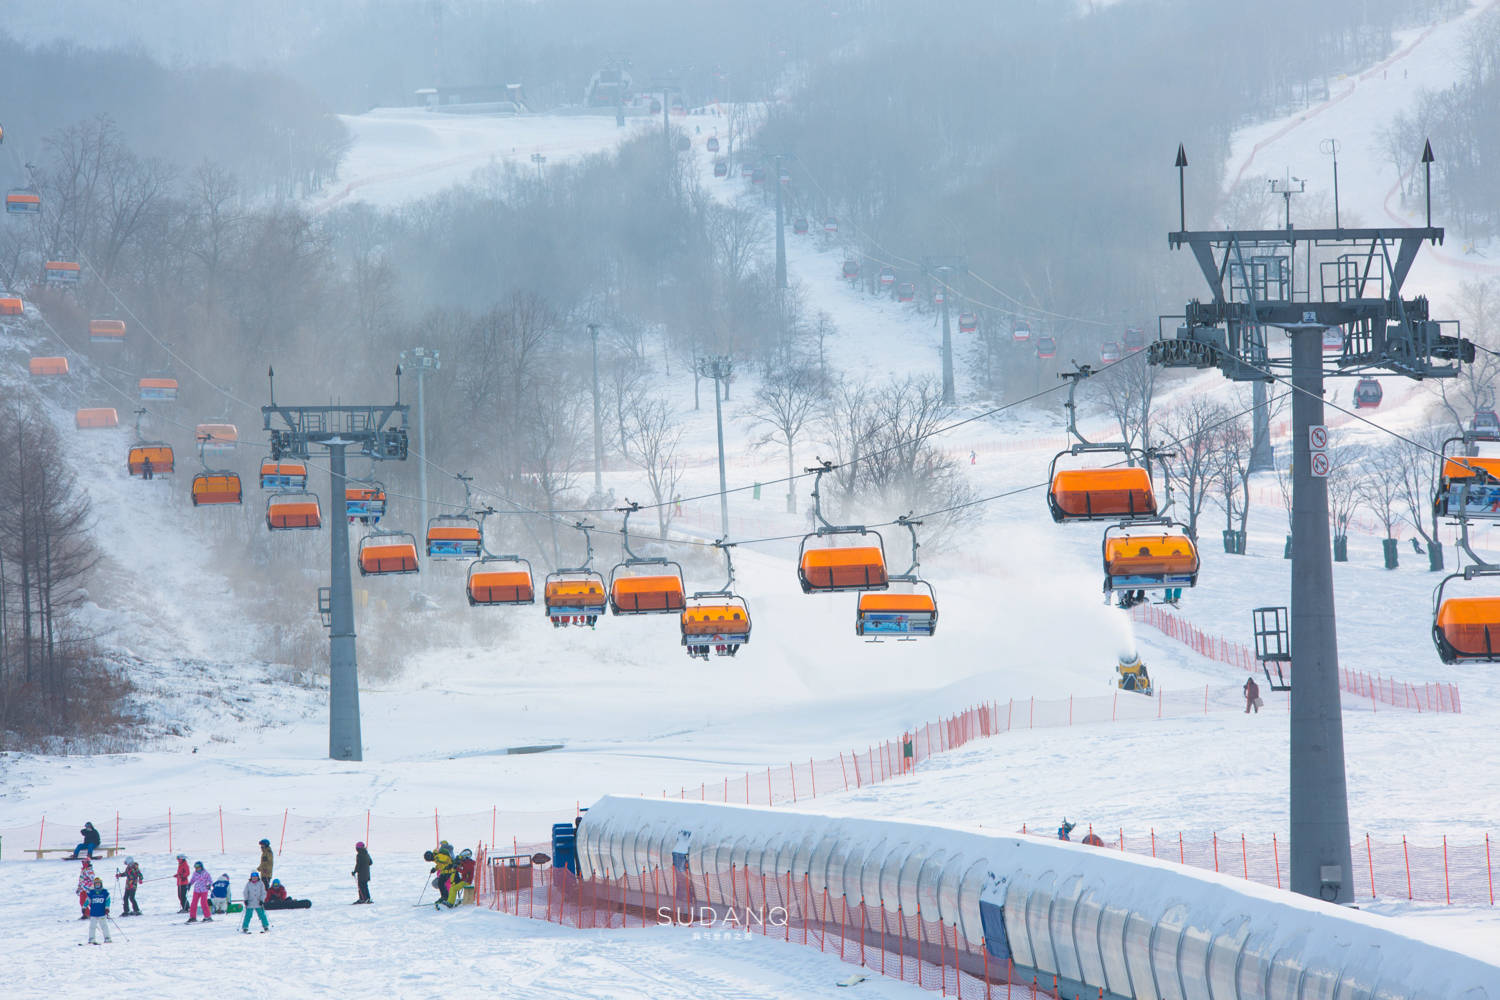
{"type": "Point", "coordinates": [1114, 706]}
{"type": "Point", "coordinates": [1153, 841]}
{"type": "Point", "coordinates": [1010, 709]}
{"type": "Point", "coordinates": [1489, 873]}
{"type": "Point", "coordinates": [1031, 722]}
{"type": "Point", "coordinates": [1407, 856]}
{"type": "Point", "coordinates": [1158, 702]}
{"type": "Point", "coordinates": [747, 788]}
{"type": "Point", "coordinates": [1181, 854]}
{"type": "Point", "coordinates": [221, 831]}
{"type": "Point", "coordinates": [1276, 857]}
{"type": "Point", "coordinates": [1070, 710]}
{"type": "Point", "coordinates": [793, 769]}
{"type": "Point", "coordinates": [1447, 892]}
{"type": "Point", "coordinates": [942, 959]}
{"type": "Point", "coordinates": [812, 776]}
{"type": "Point", "coordinates": [1216, 851]}
{"type": "Point", "coordinates": [117, 829]}
{"type": "Point", "coordinates": [844, 770]}
{"type": "Point", "coordinates": [1370, 859]}
{"type": "Point", "coordinates": [169, 830]}
{"type": "Point", "coordinates": [1245, 856]}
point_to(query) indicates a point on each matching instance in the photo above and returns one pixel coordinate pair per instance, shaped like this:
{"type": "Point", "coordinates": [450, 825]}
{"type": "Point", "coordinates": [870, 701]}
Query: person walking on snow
{"type": "Point", "coordinates": [255, 903]}
{"type": "Point", "coordinates": [266, 862]}
{"type": "Point", "coordinates": [98, 912]}
{"type": "Point", "coordinates": [202, 883]}
{"type": "Point", "coordinates": [361, 871]}
{"type": "Point", "coordinates": [219, 897]}
{"type": "Point", "coordinates": [1252, 696]}
{"type": "Point", "coordinates": [90, 841]}
{"type": "Point", "coordinates": [133, 879]}
{"type": "Point", "coordinates": [85, 885]}
{"type": "Point", "coordinates": [184, 876]}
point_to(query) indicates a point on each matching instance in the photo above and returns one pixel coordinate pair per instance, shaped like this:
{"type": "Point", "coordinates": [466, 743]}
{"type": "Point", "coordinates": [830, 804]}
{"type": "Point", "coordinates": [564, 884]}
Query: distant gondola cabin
{"type": "Point", "coordinates": [107, 331]}
{"type": "Point", "coordinates": [61, 272]}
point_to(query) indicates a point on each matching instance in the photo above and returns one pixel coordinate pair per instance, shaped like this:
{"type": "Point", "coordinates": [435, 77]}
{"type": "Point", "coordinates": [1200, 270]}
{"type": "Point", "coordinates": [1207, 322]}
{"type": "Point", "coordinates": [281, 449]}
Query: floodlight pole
{"type": "Point", "coordinates": [421, 361]}
{"type": "Point", "coordinates": [719, 369]}
{"type": "Point", "coordinates": [780, 227]}
{"type": "Point", "coordinates": [943, 267]}
{"type": "Point", "coordinates": [598, 434]}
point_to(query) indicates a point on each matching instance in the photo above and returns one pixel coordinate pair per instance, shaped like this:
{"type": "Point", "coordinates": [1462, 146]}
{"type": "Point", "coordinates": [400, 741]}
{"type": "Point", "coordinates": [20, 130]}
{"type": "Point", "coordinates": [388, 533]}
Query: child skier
{"type": "Point", "coordinates": [361, 873]}
{"type": "Point", "coordinates": [255, 903]}
{"type": "Point", "coordinates": [133, 878]}
{"type": "Point", "coordinates": [202, 882]}
{"type": "Point", "coordinates": [184, 876]}
{"type": "Point", "coordinates": [85, 885]}
{"type": "Point", "coordinates": [98, 914]}
{"type": "Point", "coordinates": [219, 896]}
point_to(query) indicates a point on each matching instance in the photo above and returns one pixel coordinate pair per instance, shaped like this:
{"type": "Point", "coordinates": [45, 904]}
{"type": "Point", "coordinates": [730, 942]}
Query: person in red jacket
{"type": "Point", "coordinates": [275, 893]}
{"type": "Point", "coordinates": [184, 876]}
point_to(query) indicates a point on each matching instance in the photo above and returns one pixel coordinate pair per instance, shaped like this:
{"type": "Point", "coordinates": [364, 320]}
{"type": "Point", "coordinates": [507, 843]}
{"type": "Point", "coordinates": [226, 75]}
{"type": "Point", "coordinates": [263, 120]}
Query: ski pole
{"type": "Point", "coordinates": [118, 931]}
{"type": "Point", "coordinates": [425, 880]}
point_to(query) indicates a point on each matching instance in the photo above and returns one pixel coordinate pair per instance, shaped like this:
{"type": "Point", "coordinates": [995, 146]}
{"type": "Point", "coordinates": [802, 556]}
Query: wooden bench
{"type": "Point", "coordinates": [40, 852]}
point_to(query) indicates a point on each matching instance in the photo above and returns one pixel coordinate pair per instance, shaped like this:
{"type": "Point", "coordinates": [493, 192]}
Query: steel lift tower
{"type": "Point", "coordinates": [294, 431]}
{"type": "Point", "coordinates": [1255, 285]}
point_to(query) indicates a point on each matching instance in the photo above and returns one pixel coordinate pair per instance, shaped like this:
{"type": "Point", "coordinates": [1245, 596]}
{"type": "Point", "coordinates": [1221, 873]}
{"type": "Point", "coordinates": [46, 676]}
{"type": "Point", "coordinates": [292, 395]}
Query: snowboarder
{"type": "Point", "coordinates": [98, 910]}
{"type": "Point", "coordinates": [1092, 839]}
{"type": "Point", "coordinates": [1065, 829]}
{"type": "Point", "coordinates": [219, 895]}
{"type": "Point", "coordinates": [202, 882]}
{"type": "Point", "coordinates": [133, 878]}
{"type": "Point", "coordinates": [361, 873]}
{"type": "Point", "coordinates": [146, 470]}
{"type": "Point", "coordinates": [184, 876]}
{"type": "Point", "coordinates": [1252, 696]}
{"type": "Point", "coordinates": [255, 903]}
{"type": "Point", "coordinates": [266, 861]}
{"type": "Point", "coordinates": [85, 884]}
{"type": "Point", "coordinates": [275, 894]}
{"type": "Point", "coordinates": [973, 458]}
{"type": "Point", "coordinates": [90, 841]}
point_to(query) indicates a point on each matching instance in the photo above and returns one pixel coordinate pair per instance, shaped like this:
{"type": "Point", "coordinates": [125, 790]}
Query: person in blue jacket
{"type": "Point", "coordinates": [1065, 829]}
{"type": "Point", "coordinates": [218, 896]}
{"type": "Point", "coordinates": [98, 911]}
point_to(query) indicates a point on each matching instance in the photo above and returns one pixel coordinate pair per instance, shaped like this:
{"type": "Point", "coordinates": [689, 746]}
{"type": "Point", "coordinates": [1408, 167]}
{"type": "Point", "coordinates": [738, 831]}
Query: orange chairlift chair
{"type": "Point", "coordinates": [456, 536]}
{"type": "Point", "coordinates": [632, 593]}
{"type": "Point", "coordinates": [148, 456]}
{"type": "Point", "coordinates": [157, 388]}
{"type": "Point", "coordinates": [364, 501]}
{"type": "Point", "coordinates": [1097, 494]}
{"type": "Point", "coordinates": [106, 331]}
{"type": "Point", "coordinates": [217, 438]}
{"type": "Point", "coordinates": [216, 487]}
{"type": "Point", "coordinates": [576, 595]}
{"type": "Point", "coordinates": [498, 580]}
{"type": "Point", "coordinates": [1155, 554]}
{"type": "Point", "coordinates": [48, 366]}
{"type": "Point", "coordinates": [388, 553]}
{"type": "Point", "coordinates": [61, 272]}
{"type": "Point", "coordinates": [1466, 629]}
{"type": "Point", "coordinates": [904, 614]}
{"type": "Point", "coordinates": [716, 621]}
{"type": "Point", "coordinates": [293, 510]}
{"type": "Point", "coordinates": [90, 418]}
{"type": "Point", "coordinates": [283, 474]}
{"type": "Point", "coordinates": [827, 569]}
{"type": "Point", "coordinates": [1468, 484]}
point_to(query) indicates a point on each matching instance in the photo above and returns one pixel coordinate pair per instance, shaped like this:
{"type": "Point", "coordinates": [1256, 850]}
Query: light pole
{"type": "Point", "coordinates": [598, 436]}
{"type": "Point", "coordinates": [719, 369]}
{"type": "Point", "coordinates": [780, 223]}
{"type": "Point", "coordinates": [540, 161]}
{"type": "Point", "coordinates": [1332, 146]}
{"type": "Point", "coordinates": [421, 361]}
{"type": "Point", "coordinates": [943, 268]}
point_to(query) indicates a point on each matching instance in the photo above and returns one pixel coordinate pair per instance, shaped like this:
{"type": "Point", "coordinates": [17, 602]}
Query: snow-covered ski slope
{"type": "Point", "coordinates": [1021, 616]}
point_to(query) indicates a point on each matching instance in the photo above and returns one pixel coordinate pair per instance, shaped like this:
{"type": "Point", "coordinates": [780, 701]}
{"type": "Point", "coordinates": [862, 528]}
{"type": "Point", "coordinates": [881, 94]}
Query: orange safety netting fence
{"type": "Point", "coordinates": [1449, 873]}
{"type": "Point", "coordinates": [746, 901]}
{"type": "Point", "coordinates": [1428, 697]}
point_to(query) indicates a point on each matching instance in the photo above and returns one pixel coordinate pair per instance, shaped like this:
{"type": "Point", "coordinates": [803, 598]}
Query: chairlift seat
{"type": "Point", "coordinates": [283, 475]}
{"type": "Point", "coordinates": [1101, 494]}
{"type": "Point", "coordinates": [49, 366]}
{"type": "Point", "coordinates": [96, 417]}
{"type": "Point", "coordinates": [387, 554]}
{"type": "Point", "coordinates": [159, 455]}
{"type": "Point", "coordinates": [23, 201]}
{"type": "Point", "coordinates": [645, 595]}
{"type": "Point", "coordinates": [217, 438]}
{"type": "Point", "coordinates": [832, 570]}
{"type": "Point", "coordinates": [571, 596]}
{"type": "Point", "coordinates": [157, 388]}
{"type": "Point", "coordinates": [11, 305]}
{"type": "Point", "coordinates": [293, 512]}
{"type": "Point", "coordinates": [61, 272]}
{"type": "Point", "coordinates": [715, 623]}
{"type": "Point", "coordinates": [501, 586]}
{"type": "Point", "coordinates": [216, 488]}
{"type": "Point", "coordinates": [107, 331]}
{"type": "Point", "coordinates": [1469, 487]}
{"type": "Point", "coordinates": [1467, 629]}
{"type": "Point", "coordinates": [1149, 561]}
{"type": "Point", "coordinates": [896, 614]}
{"type": "Point", "coordinates": [453, 540]}
{"type": "Point", "coordinates": [366, 503]}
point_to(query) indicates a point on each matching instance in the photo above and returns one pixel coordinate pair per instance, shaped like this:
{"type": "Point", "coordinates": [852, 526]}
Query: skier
{"type": "Point", "coordinates": [133, 878]}
{"type": "Point", "coordinates": [98, 911]}
{"type": "Point", "coordinates": [146, 470]}
{"type": "Point", "coordinates": [1065, 829]}
{"type": "Point", "coordinates": [202, 883]}
{"type": "Point", "coordinates": [85, 883]}
{"type": "Point", "coordinates": [255, 903]}
{"type": "Point", "coordinates": [184, 876]}
{"type": "Point", "coordinates": [442, 864]}
{"type": "Point", "coordinates": [90, 842]}
{"type": "Point", "coordinates": [219, 896]}
{"type": "Point", "coordinates": [1252, 696]}
{"type": "Point", "coordinates": [266, 861]}
{"type": "Point", "coordinates": [361, 873]}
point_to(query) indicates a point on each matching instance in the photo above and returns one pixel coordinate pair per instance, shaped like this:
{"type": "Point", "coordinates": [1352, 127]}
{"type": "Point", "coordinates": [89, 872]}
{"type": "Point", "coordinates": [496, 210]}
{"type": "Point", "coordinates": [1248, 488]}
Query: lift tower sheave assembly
{"type": "Point", "coordinates": [295, 431]}
{"type": "Point", "coordinates": [1350, 291]}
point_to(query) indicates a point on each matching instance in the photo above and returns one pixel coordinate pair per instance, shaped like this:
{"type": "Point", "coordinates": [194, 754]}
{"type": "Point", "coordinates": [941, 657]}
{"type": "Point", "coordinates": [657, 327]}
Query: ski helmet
{"type": "Point", "coordinates": [182, 857]}
{"type": "Point", "coordinates": [264, 842]}
{"type": "Point", "coordinates": [98, 881]}
{"type": "Point", "coordinates": [254, 876]}
{"type": "Point", "coordinates": [276, 881]}
{"type": "Point", "coordinates": [359, 845]}
{"type": "Point", "coordinates": [466, 853]}
{"type": "Point", "coordinates": [198, 865]}
{"type": "Point", "coordinates": [129, 860]}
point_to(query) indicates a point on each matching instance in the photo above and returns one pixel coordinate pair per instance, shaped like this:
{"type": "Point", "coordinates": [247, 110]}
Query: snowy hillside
{"type": "Point", "coordinates": [237, 719]}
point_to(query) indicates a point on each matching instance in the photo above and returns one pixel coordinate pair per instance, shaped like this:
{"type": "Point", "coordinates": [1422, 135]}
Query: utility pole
{"type": "Point", "coordinates": [780, 225]}
{"type": "Point", "coordinates": [1332, 147]}
{"type": "Point", "coordinates": [335, 428]}
{"type": "Point", "coordinates": [944, 268]}
{"type": "Point", "coordinates": [1379, 330]}
{"type": "Point", "coordinates": [421, 361]}
{"type": "Point", "coordinates": [540, 162]}
{"type": "Point", "coordinates": [598, 435]}
{"type": "Point", "coordinates": [719, 368]}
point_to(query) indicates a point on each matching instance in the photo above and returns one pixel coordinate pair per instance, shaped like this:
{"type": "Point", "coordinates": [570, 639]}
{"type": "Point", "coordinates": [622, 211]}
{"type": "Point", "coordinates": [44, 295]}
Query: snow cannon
{"type": "Point", "coordinates": [1131, 675]}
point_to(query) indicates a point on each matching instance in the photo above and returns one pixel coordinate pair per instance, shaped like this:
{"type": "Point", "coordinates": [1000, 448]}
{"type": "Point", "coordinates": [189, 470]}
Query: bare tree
{"type": "Point", "coordinates": [1129, 388]}
{"type": "Point", "coordinates": [1345, 471]}
{"type": "Point", "coordinates": [652, 441]}
{"type": "Point", "coordinates": [848, 424]}
{"type": "Point", "coordinates": [1231, 473]}
{"type": "Point", "coordinates": [822, 328]}
{"type": "Point", "coordinates": [786, 402]}
{"type": "Point", "coordinates": [1192, 433]}
{"type": "Point", "coordinates": [1380, 492]}
{"type": "Point", "coordinates": [737, 235]}
{"type": "Point", "coordinates": [1414, 466]}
